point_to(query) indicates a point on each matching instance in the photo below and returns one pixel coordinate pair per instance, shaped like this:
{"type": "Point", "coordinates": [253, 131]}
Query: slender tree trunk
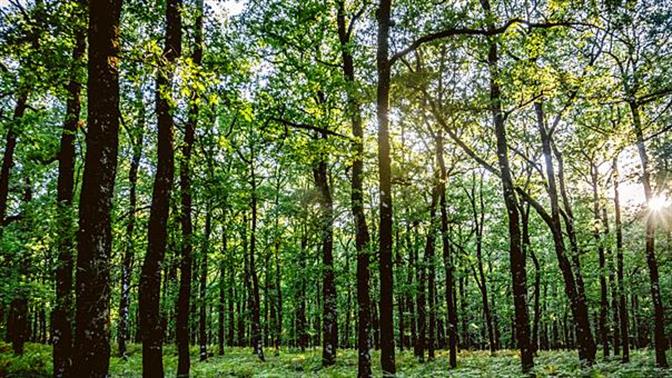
{"type": "Point", "coordinates": [63, 311]}
{"type": "Point", "coordinates": [150, 278]}
{"type": "Point", "coordinates": [604, 299]}
{"type": "Point", "coordinates": [329, 317]}
{"type": "Point", "coordinates": [659, 338]}
{"type": "Point", "coordinates": [426, 336]}
{"type": "Point", "coordinates": [447, 258]}
{"type": "Point", "coordinates": [622, 306]}
{"type": "Point", "coordinates": [357, 203]}
{"type": "Point", "coordinates": [612, 285]}
{"type": "Point", "coordinates": [8, 156]}
{"type": "Point", "coordinates": [479, 220]}
{"type": "Point", "coordinates": [127, 261]}
{"type": "Point", "coordinates": [387, 359]}
{"type": "Point", "coordinates": [186, 258]}
{"type": "Point", "coordinates": [302, 333]}
{"type": "Point", "coordinates": [257, 341]}
{"type": "Point", "coordinates": [203, 286]}
{"type": "Point", "coordinates": [221, 308]}
{"type": "Point", "coordinates": [92, 336]}
{"type": "Point", "coordinates": [578, 303]}
{"type": "Point", "coordinates": [518, 274]}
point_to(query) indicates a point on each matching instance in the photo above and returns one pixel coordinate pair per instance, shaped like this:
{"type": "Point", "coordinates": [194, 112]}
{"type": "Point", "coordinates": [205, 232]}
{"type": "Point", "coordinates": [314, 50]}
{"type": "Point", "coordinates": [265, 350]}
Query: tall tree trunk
{"type": "Point", "coordinates": [479, 220]}
{"type": "Point", "coordinates": [518, 274]}
{"type": "Point", "coordinates": [527, 247]}
{"type": "Point", "coordinates": [604, 300]}
{"type": "Point", "coordinates": [578, 303]}
{"type": "Point", "coordinates": [387, 359]}
{"type": "Point", "coordinates": [329, 317]}
{"type": "Point", "coordinates": [301, 323]}
{"type": "Point", "coordinates": [92, 336]}
{"type": "Point", "coordinates": [659, 338]}
{"type": "Point", "coordinates": [622, 306]}
{"type": "Point", "coordinates": [612, 285]}
{"type": "Point", "coordinates": [257, 341]}
{"type": "Point", "coordinates": [127, 261]}
{"type": "Point", "coordinates": [426, 336]}
{"type": "Point", "coordinates": [186, 258]}
{"type": "Point", "coordinates": [8, 156]}
{"type": "Point", "coordinates": [221, 306]}
{"type": "Point", "coordinates": [203, 286]}
{"type": "Point", "coordinates": [150, 278]}
{"type": "Point", "coordinates": [63, 311]}
{"type": "Point", "coordinates": [357, 202]}
{"type": "Point", "coordinates": [447, 258]}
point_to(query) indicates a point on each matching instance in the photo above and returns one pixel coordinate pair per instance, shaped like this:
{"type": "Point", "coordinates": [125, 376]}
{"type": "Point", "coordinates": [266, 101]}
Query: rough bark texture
{"type": "Point", "coordinates": [387, 359]}
{"type": "Point", "coordinates": [151, 324]}
{"type": "Point", "coordinates": [92, 337]}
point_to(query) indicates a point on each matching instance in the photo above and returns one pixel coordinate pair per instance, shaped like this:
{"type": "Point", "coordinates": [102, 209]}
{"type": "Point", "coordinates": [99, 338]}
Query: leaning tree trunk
{"type": "Point", "coordinates": [517, 259]}
{"type": "Point", "coordinates": [578, 304]}
{"type": "Point", "coordinates": [8, 156]}
{"type": "Point", "coordinates": [92, 336]}
{"type": "Point", "coordinates": [150, 278]}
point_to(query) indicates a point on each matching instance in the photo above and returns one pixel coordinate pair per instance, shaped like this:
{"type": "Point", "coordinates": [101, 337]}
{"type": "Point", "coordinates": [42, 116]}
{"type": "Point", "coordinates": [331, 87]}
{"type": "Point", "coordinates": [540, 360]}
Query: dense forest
{"type": "Point", "coordinates": [335, 188]}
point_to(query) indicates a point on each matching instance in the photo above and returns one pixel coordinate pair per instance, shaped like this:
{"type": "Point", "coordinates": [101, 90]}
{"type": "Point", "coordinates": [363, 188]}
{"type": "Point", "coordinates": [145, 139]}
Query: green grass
{"type": "Point", "coordinates": [238, 362]}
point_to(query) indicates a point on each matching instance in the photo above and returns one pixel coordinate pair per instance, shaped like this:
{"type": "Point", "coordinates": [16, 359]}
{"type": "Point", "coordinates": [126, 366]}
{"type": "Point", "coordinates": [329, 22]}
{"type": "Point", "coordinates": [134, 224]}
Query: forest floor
{"type": "Point", "coordinates": [239, 362]}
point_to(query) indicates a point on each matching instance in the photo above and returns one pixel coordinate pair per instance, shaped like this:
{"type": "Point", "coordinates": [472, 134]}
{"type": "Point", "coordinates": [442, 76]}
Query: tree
{"type": "Point", "coordinates": [150, 279]}
{"type": "Point", "coordinates": [92, 306]}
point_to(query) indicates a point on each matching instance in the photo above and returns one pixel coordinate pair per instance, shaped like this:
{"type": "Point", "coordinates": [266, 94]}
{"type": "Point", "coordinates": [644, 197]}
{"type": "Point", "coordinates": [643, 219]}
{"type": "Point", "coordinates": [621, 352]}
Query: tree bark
{"type": "Point", "coordinates": [604, 300]}
{"type": "Point", "coordinates": [129, 252]}
{"type": "Point", "coordinates": [447, 258]}
{"type": "Point", "coordinates": [387, 359]}
{"type": "Point", "coordinates": [357, 202]}
{"type": "Point", "coordinates": [517, 259]}
{"type": "Point", "coordinates": [92, 336]}
{"type": "Point", "coordinates": [622, 303]}
{"type": "Point", "coordinates": [186, 259]}
{"type": "Point", "coordinates": [257, 341]}
{"type": "Point", "coordinates": [329, 316]}
{"type": "Point", "coordinates": [150, 278]}
{"type": "Point", "coordinates": [203, 286]}
{"type": "Point", "coordinates": [63, 311]}
{"type": "Point", "coordinates": [578, 304]}
{"type": "Point", "coordinates": [659, 338]}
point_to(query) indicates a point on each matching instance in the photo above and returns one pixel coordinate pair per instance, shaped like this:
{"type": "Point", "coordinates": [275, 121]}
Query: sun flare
{"type": "Point", "coordinates": [659, 202]}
